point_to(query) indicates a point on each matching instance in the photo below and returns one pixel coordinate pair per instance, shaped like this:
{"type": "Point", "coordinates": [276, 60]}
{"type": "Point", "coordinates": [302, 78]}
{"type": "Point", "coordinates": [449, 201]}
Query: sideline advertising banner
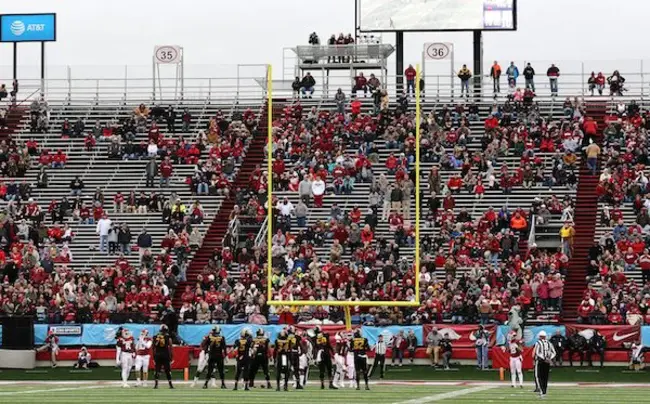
{"type": "Point", "coordinates": [615, 335]}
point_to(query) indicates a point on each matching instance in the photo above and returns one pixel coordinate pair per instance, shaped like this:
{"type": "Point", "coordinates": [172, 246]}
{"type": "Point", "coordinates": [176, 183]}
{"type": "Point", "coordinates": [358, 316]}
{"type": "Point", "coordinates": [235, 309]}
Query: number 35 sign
{"type": "Point", "coordinates": [167, 54]}
{"type": "Point", "coordinates": [438, 50]}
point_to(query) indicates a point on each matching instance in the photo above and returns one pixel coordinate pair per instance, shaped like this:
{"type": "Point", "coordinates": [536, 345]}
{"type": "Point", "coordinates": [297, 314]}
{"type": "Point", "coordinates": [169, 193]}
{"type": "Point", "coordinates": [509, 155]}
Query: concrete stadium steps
{"type": "Point", "coordinates": [586, 216]}
{"type": "Point", "coordinates": [14, 117]}
{"type": "Point", "coordinates": [218, 227]}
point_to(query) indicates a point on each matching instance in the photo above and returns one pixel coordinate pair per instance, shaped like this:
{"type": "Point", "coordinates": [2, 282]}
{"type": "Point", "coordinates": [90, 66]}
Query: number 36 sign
{"type": "Point", "coordinates": [438, 50]}
{"type": "Point", "coordinates": [167, 54]}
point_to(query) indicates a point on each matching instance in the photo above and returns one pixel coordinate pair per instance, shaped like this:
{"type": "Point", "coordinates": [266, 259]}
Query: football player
{"type": "Point", "coordinates": [295, 350]}
{"type": "Point", "coordinates": [282, 359]}
{"type": "Point", "coordinates": [243, 348]}
{"type": "Point", "coordinates": [216, 353]}
{"type": "Point", "coordinates": [203, 358]}
{"type": "Point", "coordinates": [52, 346]}
{"type": "Point", "coordinates": [324, 353]}
{"type": "Point", "coordinates": [306, 355]}
{"type": "Point", "coordinates": [126, 347]}
{"type": "Point", "coordinates": [163, 355]}
{"type": "Point", "coordinates": [516, 360]}
{"type": "Point", "coordinates": [142, 356]}
{"type": "Point", "coordinates": [360, 348]}
{"type": "Point", "coordinates": [349, 362]}
{"type": "Point", "coordinates": [339, 359]}
{"type": "Point", "coordinates": [260, 358]}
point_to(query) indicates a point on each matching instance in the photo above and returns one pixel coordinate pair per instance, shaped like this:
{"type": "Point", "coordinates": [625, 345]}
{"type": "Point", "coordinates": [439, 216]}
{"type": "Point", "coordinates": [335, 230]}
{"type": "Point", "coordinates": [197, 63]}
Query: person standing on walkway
{"type": "Point", "coordinates": [103, 227]}
{"type": "Point", "coordinates": [380, 357]}
{"type": "Point", "coordinates": [464, 74]}
{"type": "Point", "coordinates": [592, 151]}
{"type": "Point", "coordinates": [529, 76]}
{"type": "Point", "coordinates": [482, 338]}
{"type": "Point", "coordinates": [553, 73]}
{"type": "Point", "coordinates": [495, 74]}
{"type": "Point", "coordinates": [151, 172]}
{"type": "Point", "coordinates": [544, 353]}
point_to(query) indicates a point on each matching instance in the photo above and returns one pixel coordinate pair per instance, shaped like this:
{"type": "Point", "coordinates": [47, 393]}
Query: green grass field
{"type": "Point", "coordinates": [380, 393]}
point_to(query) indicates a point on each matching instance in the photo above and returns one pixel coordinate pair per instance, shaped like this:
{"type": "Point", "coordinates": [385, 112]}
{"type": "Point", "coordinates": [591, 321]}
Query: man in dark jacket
{"type": "Point", "coordinates": [529, 74]}
{"type": "Point", "coordinates": [144, 243]}
{"type": "Point", "coordinates": [152, 171]}
{"type": "Point", "coordinates": [307, 85]}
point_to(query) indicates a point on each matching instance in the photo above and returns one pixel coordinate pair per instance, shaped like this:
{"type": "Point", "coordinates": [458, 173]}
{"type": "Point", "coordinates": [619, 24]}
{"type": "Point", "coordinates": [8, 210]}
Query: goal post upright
{"type": "Point", "coordinates": [269, 179]}
{"type": "Point", "coordinates": [345, 304]}
{"type": "Point", "coordinates": [416, 261]}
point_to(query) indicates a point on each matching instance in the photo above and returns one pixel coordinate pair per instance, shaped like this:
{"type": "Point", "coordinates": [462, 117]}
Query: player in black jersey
{"type": "Point", "coordinates": [260, 358]}
{"type": "Point", "coordinates": [324, 353]}
{"type": "Point", "coordinates": [243, 348]}
{"type": "Point", "coordinates": [163, 355]}
{"type": "Point", "coordinates": [360, 349]}
{"type": "Point", "coordinates": [281, 355]}
{"type": "Point", "coordinates": [216, 353]}
{"type": "Point", "coordinates": [295, 350]}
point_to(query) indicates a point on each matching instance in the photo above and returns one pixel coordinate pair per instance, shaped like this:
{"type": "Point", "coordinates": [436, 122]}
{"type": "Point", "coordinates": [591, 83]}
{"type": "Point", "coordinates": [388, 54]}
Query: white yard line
{"type": "Point", "coordinates": [12, 393]}
{"type": "Point", "coordinates": [444, 396]}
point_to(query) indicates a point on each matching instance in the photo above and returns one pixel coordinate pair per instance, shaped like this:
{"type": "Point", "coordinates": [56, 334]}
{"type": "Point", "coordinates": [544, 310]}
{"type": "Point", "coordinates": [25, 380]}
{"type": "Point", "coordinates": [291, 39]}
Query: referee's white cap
{"type": "Point", "coordinates": [542, 334]}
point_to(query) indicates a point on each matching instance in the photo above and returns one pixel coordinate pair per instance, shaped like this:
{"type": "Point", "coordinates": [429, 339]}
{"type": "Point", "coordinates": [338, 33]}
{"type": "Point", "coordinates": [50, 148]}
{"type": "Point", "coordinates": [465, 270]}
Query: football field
{"type": "Point", "coordinates": [411, 392]}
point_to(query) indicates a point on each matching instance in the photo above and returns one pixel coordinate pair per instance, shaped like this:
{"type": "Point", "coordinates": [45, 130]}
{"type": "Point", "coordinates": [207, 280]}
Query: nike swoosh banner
{"type": "Point", "coordinates": [615, 335]}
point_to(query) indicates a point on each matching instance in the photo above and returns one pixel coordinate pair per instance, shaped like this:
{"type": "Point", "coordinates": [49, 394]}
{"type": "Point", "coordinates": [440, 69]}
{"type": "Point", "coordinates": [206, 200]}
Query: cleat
{"type": "Point", "coordinates": [277, 389]}
{"type": "Point", "coordinates": [367, 388]}
{"type": "Point", "coordinates": [205, 386]}
{"type": "Point", "coordinates": [171, 386]}
{"type": "Point", "coordinates": [358, 388]}
{"type": "Point", "coordinates": [300, 387]}
{"type": "Point", "coordinates": [223, 386]}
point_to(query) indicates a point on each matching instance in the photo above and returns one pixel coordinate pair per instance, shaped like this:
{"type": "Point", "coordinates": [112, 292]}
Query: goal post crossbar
{"type": "Point", "coordinates": [346, 304]}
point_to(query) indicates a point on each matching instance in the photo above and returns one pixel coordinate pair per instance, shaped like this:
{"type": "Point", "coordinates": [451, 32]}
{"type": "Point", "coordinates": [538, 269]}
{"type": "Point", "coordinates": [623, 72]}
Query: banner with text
{"type": "Point", "coordinates": [373, 333]}
{"type": "Point", "coordinates": [615, 335]}
{"type": "Point", "coordinates": [461, 335]}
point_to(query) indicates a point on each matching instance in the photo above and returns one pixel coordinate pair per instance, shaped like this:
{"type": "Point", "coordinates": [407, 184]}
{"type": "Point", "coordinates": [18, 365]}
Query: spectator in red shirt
{"type": "Point", "coordinates": [166, 170]}
{"type": "Point", "coordinates": [410, 74]}
{"type": "Point", "coordinates": [360, 83]}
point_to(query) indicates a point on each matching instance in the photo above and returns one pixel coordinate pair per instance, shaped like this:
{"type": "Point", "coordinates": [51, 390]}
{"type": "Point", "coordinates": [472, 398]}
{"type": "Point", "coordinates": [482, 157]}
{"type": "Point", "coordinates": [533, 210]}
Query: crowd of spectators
{"type": "Point", "coordinates": [614, 297]}
{"type": "Point", "coordinates": [36, 241]}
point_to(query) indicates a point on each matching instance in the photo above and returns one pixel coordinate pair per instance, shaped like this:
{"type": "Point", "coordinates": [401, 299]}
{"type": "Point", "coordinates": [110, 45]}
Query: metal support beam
{"type": "Point", "coordinates": [478, 63]}
{"type": "Point", "coordinates": [15, 60]}
{"type": "Point", "coordinates": [399, 61]}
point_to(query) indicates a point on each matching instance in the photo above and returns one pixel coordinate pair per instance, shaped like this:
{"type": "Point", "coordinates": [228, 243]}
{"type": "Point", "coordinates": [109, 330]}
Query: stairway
{"type": "Point", "coordinates": [14, 117]}
{"type": "Point", "coordinates": [215, 234]}
{"type": "Point", "coordinates": [586, 216]}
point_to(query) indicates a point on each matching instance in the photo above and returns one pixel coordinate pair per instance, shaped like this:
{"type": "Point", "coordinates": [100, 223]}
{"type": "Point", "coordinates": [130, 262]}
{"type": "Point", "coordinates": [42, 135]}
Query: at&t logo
{"type": "Point", "coordinates": [17, 28]}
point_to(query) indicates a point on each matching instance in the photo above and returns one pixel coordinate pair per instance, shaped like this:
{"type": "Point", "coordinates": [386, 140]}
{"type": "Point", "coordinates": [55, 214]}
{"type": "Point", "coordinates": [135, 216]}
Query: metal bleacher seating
{"type": "Point", "coordinates": [110, 175]}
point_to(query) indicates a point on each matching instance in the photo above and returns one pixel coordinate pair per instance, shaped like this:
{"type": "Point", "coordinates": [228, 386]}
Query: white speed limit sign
{"type": "Point", "coordinates": [438, 50]}
{"type": "Point", "coordinates": [167, 54]}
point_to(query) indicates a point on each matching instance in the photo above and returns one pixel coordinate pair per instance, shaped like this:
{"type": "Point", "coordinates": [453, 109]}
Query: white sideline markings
{"type": "Point", "coordinates": [444, 396]}
{"type": "Point", "coordinates": [11, 393]}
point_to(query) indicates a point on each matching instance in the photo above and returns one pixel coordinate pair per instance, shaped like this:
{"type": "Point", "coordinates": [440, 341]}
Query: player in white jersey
{"type": "Point", "coordinates": [339, 361]}
{"type": "Point", "coordinates": [349, 362]}
{"type": "Point", "coordinates": [126, 354]}
{"type": "Point", "coordinates": [516, 360]}
{"type": "Point", "coordinates": [142, 355]}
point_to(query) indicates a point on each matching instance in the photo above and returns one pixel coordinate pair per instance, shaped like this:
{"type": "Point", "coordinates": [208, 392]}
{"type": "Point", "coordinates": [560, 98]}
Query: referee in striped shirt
{"type": "Point", "coordinates": [544, 354]}
{"type": "Point", "coordinates": [380, 357]}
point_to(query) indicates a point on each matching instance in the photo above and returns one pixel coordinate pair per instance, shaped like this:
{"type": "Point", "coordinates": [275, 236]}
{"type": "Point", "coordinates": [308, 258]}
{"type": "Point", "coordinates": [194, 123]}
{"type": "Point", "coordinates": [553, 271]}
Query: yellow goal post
{"type": "Point", "coordinates": [346, 304]}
